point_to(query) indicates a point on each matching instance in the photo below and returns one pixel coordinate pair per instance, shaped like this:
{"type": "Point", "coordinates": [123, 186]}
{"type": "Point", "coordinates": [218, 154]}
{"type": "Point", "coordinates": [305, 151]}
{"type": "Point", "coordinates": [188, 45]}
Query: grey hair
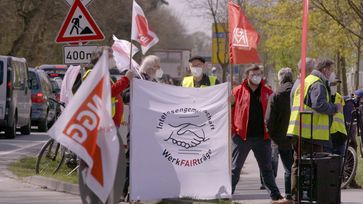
{"type": "Point", "coordinates": [149, 62]}
{"type": "Point", "coordinates": [309, 64]}
{"type": "Point", "coordinates": [284, 75]}
{"type": "Point", "coordinates": [323, 63]}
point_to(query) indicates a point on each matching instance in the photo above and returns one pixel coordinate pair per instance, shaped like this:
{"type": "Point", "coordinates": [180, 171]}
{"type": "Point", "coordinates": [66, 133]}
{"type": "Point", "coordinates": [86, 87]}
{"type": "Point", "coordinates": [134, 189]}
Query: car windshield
{"type": "Point", "coordinates": [34, 81]}
{"type": "Point", "coordinates": [1, 72]}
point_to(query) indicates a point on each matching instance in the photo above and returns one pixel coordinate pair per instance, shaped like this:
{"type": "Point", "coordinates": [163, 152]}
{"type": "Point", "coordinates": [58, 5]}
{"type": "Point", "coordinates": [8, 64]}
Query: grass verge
{"type": "Point", "coordinates": [26, 167]}
{"type": "Point", "coordinates": [359, 175]}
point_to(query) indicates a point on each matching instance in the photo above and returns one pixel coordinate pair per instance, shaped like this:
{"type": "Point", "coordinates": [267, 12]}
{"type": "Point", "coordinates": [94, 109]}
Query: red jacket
{"type": "Point", "coordinates": [116, 90]}
{"type": "Point", "coordinates": [240, 111]}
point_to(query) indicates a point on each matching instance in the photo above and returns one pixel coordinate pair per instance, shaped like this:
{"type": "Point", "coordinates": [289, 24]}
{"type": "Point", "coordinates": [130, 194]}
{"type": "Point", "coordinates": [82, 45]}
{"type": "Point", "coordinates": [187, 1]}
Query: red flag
{"type": "Point", "coordinates": [243, 38]}
{"type": "Point", "coordinates": [140, 30]}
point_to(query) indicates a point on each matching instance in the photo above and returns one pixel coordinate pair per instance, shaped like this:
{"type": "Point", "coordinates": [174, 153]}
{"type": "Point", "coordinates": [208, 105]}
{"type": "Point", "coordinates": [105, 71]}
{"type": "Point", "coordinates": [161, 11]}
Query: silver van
{"type": "Point", "coordinates": [15, 96]}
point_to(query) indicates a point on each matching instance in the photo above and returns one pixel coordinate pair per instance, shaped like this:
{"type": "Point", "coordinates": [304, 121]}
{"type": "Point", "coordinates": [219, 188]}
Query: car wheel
{"type": "Point", "coordinates": [10, 131]}
{"type": "Point", "coordinates": [43, 125]}
{"type": "Point", "coordinates": [25, 130]}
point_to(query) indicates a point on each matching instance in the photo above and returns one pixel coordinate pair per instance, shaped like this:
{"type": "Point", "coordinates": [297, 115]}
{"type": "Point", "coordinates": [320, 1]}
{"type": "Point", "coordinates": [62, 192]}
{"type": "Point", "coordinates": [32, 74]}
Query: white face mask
{"type": "Point", "coordinates": [333, 90]}
{"type": "Point", "coordinates": [196, 71]}
{"type": "Point", "coordinates": [256, 80]}
{"type": "Point", "coordinates": [159, 73]}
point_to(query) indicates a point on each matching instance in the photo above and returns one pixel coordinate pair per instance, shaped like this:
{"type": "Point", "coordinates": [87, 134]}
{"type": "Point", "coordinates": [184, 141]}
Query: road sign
{"type": "Point", "coordinates": [84, 2]}
{"type": "Point", "coordinates": [219, 45]}
{"type": "Point", "coordinates": [78, 54]}
{"type": "Point", "coordinates": [79, 26]}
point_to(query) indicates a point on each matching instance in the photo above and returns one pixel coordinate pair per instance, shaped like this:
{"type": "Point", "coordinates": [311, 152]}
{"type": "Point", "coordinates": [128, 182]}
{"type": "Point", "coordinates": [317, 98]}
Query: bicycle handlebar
{"type": "Point", "coordinates": [59, 103]}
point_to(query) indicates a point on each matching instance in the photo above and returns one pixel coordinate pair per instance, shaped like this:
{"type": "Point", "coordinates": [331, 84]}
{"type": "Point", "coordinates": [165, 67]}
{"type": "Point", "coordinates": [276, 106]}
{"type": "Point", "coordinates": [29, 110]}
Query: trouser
{"type": "Point", "coordinates": [286, 155]}
{"type": "Point", "coordinates": [305, 148]}
{"type": "Point", "coordinates": [262, 151]}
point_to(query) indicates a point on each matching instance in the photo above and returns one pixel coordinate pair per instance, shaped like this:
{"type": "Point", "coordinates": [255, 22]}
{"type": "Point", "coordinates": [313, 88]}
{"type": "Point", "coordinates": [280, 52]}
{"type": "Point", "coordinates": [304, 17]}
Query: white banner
{"type": "Point", "coordinates": [179, 142]}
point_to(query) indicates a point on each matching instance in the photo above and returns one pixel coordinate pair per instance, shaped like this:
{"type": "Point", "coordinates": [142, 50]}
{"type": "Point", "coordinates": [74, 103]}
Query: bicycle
{"type": "Point", "coordinates": [52, 155]}
{"type": "Point", "coordinates": [350, 158]}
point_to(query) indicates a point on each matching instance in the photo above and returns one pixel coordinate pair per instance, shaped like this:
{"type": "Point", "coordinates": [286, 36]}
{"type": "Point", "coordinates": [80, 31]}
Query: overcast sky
{"type": "Point", "coordinates": [192, 23]}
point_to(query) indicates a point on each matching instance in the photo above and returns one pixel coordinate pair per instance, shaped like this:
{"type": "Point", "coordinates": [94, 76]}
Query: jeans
{"type": "Point", "coordinates": [275, 158]}
{"type": "Point", "coordinates": [287, 159]}
{"type": "Point", "coordinates": [262, 151]}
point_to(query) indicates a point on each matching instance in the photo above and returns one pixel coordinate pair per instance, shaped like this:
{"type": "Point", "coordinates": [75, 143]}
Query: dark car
{"type": "Point", "coordinates": [43, 110]}
{"type": "Point", "coordinates": [15, 102]}
{"type": "Point", "coordinates": [54, 70]}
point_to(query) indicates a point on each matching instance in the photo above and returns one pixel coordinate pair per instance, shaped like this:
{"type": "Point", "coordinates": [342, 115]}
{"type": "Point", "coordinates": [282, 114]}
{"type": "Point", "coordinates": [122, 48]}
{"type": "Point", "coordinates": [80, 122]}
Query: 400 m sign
{"type": "Point", "coordinates": [78, 54]}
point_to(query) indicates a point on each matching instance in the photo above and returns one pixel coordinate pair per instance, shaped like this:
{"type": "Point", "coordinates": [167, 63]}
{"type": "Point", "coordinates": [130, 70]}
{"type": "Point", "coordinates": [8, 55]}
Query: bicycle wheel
{"type": "Point", "coordinates": [350, 167]}
{"type": "Point", "coordinates": [50, 158]}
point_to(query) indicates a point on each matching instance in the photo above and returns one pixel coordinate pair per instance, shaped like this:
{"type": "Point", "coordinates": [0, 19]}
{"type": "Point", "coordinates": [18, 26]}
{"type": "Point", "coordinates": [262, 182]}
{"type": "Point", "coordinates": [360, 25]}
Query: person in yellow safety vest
{"type": "Point", "coordinates": [338, 130]}
{"type": "Point", "coordinates": [317, 100]}
{"type": "Point", "coordinates": [198, 78]}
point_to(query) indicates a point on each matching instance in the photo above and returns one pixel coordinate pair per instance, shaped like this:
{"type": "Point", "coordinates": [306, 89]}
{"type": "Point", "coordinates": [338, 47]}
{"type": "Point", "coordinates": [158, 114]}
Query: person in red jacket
{"type": "Point", "coordinates": [117, 87]}
{"type": "Point", "coordinates": [248, 125]}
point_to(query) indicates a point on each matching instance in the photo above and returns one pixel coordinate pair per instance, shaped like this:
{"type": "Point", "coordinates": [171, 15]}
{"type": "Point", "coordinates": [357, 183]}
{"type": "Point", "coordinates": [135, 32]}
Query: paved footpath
{"type": "Point", "coordinates": [248, 189]}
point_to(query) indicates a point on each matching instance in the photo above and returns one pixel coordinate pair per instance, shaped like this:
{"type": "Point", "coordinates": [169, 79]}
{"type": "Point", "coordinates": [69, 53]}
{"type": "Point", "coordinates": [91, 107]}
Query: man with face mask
{"type": "Point", "coordinates": [248, 125]}
{"type": "Point", "coordinates": [317, 100]}
{"type": "Point", "coordinates": [198, 78]}
{"type": "Point", "coordinates": [338, 131]}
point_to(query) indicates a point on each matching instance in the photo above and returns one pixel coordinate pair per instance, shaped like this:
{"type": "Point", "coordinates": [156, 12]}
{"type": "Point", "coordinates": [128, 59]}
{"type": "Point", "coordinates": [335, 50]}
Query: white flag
{"type": "Point", "coordinates": [87, 129]}
{"type": "Point", "coordinates": [121, 54]}
{"type": "Point", "coordinates": [179, 142]}
{"type": "Point", "coordinates": [67, 83]}
{"type": "Point", "coordinates": [140, 30]}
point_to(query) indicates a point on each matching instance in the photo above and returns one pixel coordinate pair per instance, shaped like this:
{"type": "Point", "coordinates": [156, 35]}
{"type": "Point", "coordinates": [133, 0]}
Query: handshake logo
{"type": "Point", "coordinates": [187, 135]}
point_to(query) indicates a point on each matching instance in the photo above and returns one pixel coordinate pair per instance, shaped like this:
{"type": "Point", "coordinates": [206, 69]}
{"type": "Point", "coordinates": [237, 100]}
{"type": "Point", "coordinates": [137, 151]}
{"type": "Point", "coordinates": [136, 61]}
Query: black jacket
{"type": "Point", "coordinates": [278, 115]}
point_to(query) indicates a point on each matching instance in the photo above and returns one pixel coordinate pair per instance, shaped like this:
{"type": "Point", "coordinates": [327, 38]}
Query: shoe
{"type": "Point", "coordinates": [282, 201]}
{"type": "Point", "coordinates": [262, 187]}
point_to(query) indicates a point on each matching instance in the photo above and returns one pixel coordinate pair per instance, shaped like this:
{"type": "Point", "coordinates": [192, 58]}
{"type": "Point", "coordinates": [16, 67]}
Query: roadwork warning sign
{"type": "Point", "coordinates": [79, 26]}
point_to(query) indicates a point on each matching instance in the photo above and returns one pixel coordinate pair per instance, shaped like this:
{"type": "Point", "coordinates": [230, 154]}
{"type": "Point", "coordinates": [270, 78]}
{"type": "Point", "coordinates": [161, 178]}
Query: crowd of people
{"type": "Point", "coordinates": [265, 121]}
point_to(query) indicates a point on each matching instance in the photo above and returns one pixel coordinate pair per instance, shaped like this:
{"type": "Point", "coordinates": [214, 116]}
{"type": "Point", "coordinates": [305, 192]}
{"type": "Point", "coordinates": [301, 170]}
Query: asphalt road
{"type": "Point", "coordinates": [13, 191]}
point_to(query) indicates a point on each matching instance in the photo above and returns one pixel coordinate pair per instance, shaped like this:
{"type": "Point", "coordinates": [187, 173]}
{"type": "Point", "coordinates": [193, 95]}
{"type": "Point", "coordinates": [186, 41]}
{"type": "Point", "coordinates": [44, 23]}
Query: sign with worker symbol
{"type": "Point", "coordinates": [79, 26]}
{"type": "Point", "coordinates": [84, 2]}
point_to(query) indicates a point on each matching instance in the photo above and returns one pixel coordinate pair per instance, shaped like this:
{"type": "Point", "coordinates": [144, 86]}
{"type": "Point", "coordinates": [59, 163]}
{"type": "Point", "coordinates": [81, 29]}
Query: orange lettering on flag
{"type": "Point", "coordinates": [83, 128]}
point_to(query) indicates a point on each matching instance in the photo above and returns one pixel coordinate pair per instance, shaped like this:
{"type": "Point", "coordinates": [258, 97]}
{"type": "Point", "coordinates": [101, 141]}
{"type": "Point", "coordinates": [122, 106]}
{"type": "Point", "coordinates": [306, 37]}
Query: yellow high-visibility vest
{"type": "Point", "coordinates": [189, 81]}
{"type": "Point", "coordinates": [320, 121]}
{"type": "Point", "coordinates": [338, 124]}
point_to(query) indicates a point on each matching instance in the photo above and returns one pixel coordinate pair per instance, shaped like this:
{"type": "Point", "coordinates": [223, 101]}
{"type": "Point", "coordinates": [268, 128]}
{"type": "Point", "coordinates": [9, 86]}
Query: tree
{"type": "Point", "coordinates": [279, 24]}
{"type": "Point", "coordinates": [349, 15]}
{"type": "Point", "coordinates": [31, 26]}
{"type": "Point", "coordinates": [216, 10]}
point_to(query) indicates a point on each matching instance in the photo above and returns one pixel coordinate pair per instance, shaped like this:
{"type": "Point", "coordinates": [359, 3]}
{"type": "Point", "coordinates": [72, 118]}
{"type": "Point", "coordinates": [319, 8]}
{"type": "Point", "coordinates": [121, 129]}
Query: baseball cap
{"type": "Point", "coordinates": [197, 58]}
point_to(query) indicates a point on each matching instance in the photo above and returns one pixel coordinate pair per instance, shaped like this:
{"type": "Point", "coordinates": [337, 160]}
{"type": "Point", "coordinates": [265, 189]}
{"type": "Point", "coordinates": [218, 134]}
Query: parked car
{"type": "Point", "coordinates": [43, 110]}
{"type": "Point", "coordinates": [54, 70]}
{"type": "Point", "coordinates": [15, 96]}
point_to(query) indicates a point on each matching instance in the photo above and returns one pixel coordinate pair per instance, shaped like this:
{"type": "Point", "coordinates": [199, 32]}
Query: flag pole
{"type": "Point", "coordinates": [130, 62]}
{"type": "Point", "coordinates": [302, 84]}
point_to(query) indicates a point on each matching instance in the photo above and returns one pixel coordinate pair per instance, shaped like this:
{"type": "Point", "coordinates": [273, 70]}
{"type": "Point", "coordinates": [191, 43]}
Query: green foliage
{"type": "Point", "coordinates": [280, 24]}
{"type": "Point", "coordinates": [359, 174]}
